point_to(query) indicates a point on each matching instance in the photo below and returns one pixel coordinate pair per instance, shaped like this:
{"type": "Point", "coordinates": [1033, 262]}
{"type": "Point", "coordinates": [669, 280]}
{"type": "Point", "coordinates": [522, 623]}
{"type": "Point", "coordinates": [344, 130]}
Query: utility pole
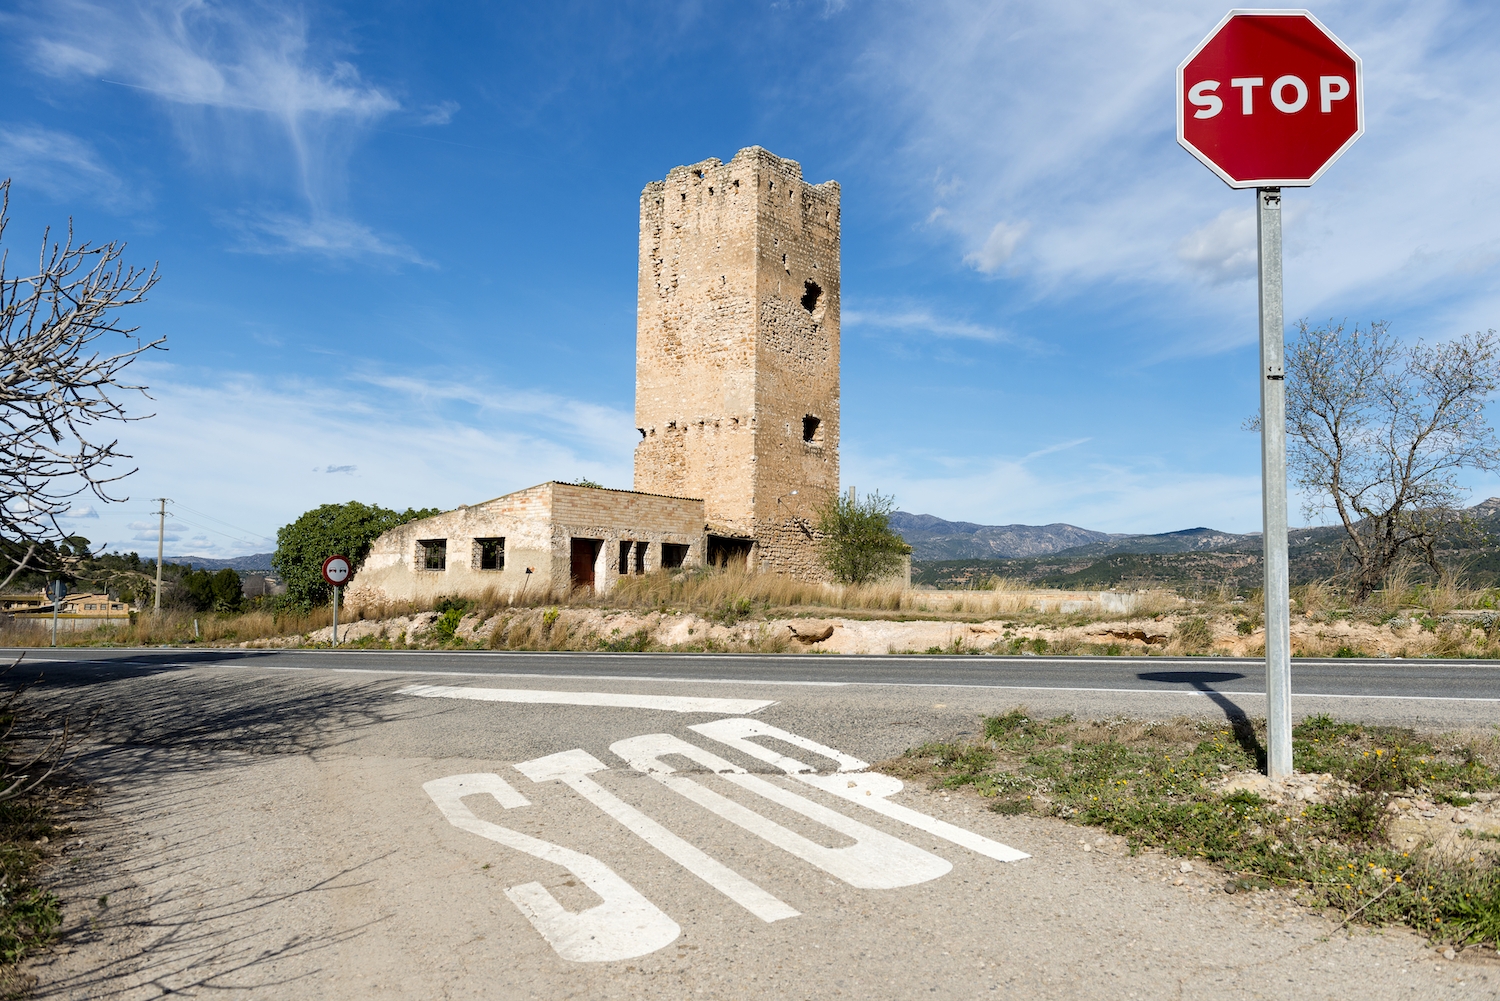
{"type": "Point", "coordinates": [161, 536]}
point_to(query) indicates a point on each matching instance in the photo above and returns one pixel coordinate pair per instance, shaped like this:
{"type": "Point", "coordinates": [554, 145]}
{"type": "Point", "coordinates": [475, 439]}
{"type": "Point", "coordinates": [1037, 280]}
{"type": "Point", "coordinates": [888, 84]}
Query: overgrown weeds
{"type": "Point", "coordinates": [1158, 785]}
{"type": "Point", "coordinates": [33, 751]}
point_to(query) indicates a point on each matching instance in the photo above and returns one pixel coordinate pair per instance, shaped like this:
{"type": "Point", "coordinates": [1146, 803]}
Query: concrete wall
{"type": "Point", "coordinates": [737, 342]}
{"type": "Point", "coordinates": [538, 525]}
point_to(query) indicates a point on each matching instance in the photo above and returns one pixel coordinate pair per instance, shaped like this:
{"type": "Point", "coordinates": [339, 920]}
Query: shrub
{"type": "Point", "coordinates": [856, 540]}
{"type": "Point", "coordinates": [1193, 635]}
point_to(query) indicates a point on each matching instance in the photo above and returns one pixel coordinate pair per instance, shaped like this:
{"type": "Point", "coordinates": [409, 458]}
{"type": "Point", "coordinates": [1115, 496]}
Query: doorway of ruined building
{"type": "Point", "coordinates": [585, 556]}
{"type": "Point", "coordinates": [729, 552]}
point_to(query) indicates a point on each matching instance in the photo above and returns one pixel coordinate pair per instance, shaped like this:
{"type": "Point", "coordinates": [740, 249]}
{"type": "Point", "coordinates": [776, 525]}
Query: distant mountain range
{"type": "Point", "coordinates": [257, 563]}
{"type": "Point", "coordinates": [932, 538]}
{"type": "Point", "coordinates": [1197, 559]}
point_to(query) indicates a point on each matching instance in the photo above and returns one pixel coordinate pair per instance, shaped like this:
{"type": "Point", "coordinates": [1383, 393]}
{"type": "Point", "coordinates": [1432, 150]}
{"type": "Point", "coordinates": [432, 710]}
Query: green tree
{"type": "Point", "coordinates": [857, 542]}
{"type": "Point", "coordinates": [211, 592]}
{"type": "Point", "coordinates": [346, 529]}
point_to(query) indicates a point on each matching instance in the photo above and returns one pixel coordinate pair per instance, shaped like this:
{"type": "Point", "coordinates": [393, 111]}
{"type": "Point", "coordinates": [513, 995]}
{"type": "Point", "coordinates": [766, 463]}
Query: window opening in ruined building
{"type": "Point", "coordinates": [585, 553]}
{"type": "Point", "coordinates": [491, 553]}
{"type": "Point", "coordinates": [812, 294]}
{"type": "Point", "coordinates": [433, 553]}
{"type": "Point", "coordinates": [812, 430]}
{"type": "Point", "coordinates": [673, 555]}
{"type": "Point", "coordinates": [640, 556]}
{"type": "Point", "coordinates": [624, 563]}
{"type": "Point", "coordinates": [726, 552]}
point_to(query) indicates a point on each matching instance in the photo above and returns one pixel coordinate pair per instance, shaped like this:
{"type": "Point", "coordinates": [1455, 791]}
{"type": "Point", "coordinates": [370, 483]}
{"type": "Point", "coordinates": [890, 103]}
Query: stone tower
{"type": "Point", "coordinates": [737, 353]}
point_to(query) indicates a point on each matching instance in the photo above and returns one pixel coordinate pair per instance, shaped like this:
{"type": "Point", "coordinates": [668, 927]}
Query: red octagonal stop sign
{"type": "Point", "coordinates": [1269, 99]}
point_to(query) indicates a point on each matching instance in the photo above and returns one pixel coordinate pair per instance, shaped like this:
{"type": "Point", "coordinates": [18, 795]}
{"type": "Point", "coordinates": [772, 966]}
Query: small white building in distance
{"type": "Point", "coordinates": [543, 540]}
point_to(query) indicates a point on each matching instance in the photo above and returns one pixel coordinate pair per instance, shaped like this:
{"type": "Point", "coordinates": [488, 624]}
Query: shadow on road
{"type": "Point", "coordinates": [147, 925]}
{"type": "Point", "coordinates": [1239, 723]}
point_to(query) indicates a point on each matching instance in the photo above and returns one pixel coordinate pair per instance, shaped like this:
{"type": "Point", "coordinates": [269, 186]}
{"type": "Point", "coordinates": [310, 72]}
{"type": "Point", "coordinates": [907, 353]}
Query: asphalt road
{"type": "Point", "coordinates": [1436, 692]}
{"type": "Point", "coordinates": [294, 824]}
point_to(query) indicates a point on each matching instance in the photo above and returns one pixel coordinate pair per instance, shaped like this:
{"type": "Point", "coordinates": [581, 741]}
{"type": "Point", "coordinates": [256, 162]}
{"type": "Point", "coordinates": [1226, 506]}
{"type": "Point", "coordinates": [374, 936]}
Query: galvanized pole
{"type": "Point", "coordinates": [1273, 487]}
{"type": "Point", "coordinates": [335, 616]}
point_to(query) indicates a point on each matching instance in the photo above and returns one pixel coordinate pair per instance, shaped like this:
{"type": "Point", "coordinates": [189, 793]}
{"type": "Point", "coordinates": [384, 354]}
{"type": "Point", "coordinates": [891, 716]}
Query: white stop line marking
{"type": "Point", "coordinates": [869, 791]}
{"type": "Point", "coordinates": [613, 700]}
{"type": "Point", "coordinates": [626, 924]}
{"type": "Point", "coordinates": [572, 768]}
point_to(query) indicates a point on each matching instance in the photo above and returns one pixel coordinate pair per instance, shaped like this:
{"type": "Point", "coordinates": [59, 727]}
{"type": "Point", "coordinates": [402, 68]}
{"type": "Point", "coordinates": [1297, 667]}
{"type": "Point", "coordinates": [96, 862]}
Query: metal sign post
{"type": "Point", "coordinates": [336, 571]}
{"type": "Point", "coordinates": [1273, 487]}
{"type": "Point", "coordinates": [58, 590]}
{"type": "Point", "coordinates": [1269, 100]}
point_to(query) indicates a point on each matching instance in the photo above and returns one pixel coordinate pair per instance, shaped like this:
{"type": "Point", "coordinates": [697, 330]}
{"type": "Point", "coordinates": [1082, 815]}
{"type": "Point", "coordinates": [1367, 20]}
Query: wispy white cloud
{"type": "Point", "coordinates": [318, 233]}
{"type": "Point", "coordinates": [397, 440]}
{"type": "Point", "coordinates": [1061, 446]}
{"type": "Point", "coordinates": [1134, 494]}
{"type": "Point", "coordinates": [921, 321]}
{"type": "Point", "coordinates": [438, 114]}
{"type": "Point", "coordinates": [1061, 114]}
{"type": "Point", "coordinates": [1224, 249]}
{"type": "Point", "coordinates": [998, 248]}
{"type": "Point", "coordinates": [249, 89]}
{"type": "Point", "coordinates": [60, 164]}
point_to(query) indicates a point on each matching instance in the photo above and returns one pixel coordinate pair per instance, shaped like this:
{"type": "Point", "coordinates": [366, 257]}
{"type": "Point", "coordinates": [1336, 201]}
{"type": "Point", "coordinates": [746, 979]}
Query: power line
{"type": "Point", "coordinates": [237, 528]}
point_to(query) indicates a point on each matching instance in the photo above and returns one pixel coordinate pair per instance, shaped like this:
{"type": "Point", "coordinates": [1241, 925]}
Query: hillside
{"type": "Point", "coordinates": [932, 538]}
{"type": "Point", "coordinates": [256, 563]}
{"type": "Point", "coordinates": [1196, 560]}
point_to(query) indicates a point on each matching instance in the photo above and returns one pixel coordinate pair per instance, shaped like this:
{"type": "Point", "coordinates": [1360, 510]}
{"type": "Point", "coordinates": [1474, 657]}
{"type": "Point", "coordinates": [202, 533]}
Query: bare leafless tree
{"type": "Point", "coordinates": [63, 355]}
{"type": "Point", "coordinates": [1380, 430]}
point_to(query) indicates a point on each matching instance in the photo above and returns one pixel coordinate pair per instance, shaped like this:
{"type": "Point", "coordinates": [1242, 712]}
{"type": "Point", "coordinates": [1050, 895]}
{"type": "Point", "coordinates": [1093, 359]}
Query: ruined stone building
{"type": "Point", "coordinates": [737, 405]}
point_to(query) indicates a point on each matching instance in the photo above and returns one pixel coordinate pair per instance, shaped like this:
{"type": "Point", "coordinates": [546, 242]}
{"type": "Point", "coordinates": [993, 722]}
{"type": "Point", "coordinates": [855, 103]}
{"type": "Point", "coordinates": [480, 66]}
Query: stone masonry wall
{"type": "Point", "coordinates": [538, 525]}
{"type": "Point", "coordinates": [737, 344]}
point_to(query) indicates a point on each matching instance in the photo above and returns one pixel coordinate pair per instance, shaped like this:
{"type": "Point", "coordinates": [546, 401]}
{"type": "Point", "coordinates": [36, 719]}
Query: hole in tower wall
{"type": "Point", "coordinates": [811, 296]}
{"type": "Point", "coordinates": [810, 430]}
{"type": "Point", "coordinates": [785, 266]}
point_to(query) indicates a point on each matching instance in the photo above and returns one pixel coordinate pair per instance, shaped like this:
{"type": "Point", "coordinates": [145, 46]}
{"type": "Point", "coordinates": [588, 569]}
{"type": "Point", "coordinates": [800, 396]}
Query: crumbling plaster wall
{"type": "Point", "coordinates": [538, 525]}
{"type": "Point", "coordinates": [392, 571]}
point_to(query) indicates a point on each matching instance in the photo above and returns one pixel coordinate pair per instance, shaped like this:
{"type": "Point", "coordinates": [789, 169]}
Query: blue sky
{"type": "Point", "coordinates": [398, 240]}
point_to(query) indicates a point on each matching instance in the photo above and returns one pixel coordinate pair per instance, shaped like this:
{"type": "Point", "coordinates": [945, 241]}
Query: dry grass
{"type": "Point", "coordinates": [171, 628]}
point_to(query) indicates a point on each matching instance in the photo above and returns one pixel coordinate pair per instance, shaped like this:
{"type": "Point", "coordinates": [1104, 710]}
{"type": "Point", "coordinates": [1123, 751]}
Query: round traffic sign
{"type": "Point", "coordinates": [336, 570]}
{"type": "Point", "coordinates": [1270, 99]}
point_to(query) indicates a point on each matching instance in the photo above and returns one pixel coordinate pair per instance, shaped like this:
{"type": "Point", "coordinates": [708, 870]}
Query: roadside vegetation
{"type": "Point", "coordinates": [1393, 827]}
{"type": "Point", "coordinates": [726, 609]}
{"type": "Point", "coordinates": [35, 790]}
